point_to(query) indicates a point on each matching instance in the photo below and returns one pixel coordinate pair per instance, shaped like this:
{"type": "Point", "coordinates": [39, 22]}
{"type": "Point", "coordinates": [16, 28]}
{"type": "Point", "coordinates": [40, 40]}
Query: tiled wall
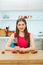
{"type": "Point", "coordinates": [35, 24]}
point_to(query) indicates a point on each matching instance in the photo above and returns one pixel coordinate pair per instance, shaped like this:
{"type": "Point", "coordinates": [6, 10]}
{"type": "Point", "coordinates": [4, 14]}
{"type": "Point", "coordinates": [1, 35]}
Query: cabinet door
{"type": "Point", "coordinates": [38, 43]}
{"type": "Point", "coordinates": [42, 44]}
{"type": "Point", "coordinates": [3, 42]}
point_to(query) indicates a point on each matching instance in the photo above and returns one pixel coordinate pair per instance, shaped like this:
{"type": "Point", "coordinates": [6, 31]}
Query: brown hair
{"type": "Point", "coordinates": [26, 35]}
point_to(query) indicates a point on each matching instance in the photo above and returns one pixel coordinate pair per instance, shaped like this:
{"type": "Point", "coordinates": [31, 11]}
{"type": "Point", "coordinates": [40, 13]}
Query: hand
{"type": "Point", "coordinates": [16, 48]}
{"type": "Point", "coordinates": [22, 49]}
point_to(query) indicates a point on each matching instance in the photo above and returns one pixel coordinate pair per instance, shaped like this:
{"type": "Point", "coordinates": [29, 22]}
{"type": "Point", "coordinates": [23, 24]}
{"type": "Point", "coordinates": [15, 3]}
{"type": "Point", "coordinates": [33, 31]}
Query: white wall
{"type": "Point", "coordinates": [35, 24]}
{"type": "Point", "coordinates": [21, 4]}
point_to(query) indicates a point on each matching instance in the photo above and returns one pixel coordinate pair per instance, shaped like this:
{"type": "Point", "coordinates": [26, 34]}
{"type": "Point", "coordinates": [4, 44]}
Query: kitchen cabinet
{"type": "Point", "coordinates": [3, 42]}
{"type": "Point", "coordinates": [42, 44]}
{"type": "Point", "coordinates": [38, 43]}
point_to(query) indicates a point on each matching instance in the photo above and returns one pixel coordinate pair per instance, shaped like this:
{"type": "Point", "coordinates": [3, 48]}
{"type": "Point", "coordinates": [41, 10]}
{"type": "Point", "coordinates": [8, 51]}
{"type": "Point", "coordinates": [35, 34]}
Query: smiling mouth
{"type": "Point", "coordinates": [21, 28]}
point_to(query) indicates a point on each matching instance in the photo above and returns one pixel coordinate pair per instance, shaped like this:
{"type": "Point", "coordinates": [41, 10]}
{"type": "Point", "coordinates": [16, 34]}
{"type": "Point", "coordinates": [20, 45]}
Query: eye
{"type": "Point", "coordinates": [22, 24]}
{"type": "Point", "coordinates": [19, 25]}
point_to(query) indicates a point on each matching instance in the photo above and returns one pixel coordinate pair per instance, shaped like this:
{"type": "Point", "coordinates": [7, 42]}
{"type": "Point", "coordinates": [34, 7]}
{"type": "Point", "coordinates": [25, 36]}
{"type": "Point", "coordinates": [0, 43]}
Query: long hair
{"type": "Point", "coordinates": [26, 35]}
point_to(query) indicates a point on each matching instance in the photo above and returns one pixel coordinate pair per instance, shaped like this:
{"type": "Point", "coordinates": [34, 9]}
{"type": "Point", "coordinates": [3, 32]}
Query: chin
{"type": "Point", "coordinates": [22, 30]}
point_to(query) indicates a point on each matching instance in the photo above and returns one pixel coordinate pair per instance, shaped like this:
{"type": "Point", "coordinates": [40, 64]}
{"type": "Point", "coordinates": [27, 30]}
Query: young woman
{"type": "Point", "coordinates": [24, 39]}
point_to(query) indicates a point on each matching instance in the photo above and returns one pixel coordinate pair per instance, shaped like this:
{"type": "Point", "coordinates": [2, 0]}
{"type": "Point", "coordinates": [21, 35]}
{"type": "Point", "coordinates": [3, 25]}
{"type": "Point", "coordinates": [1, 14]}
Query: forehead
{"type": "Point", "coordinates": [21, 22]}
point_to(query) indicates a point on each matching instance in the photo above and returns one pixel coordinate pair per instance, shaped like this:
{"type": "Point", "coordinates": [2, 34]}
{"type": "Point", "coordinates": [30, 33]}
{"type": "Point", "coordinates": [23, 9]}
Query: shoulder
{"type": "Point", "coordinates": [11, 38]}
{"type": "Point", "coordinates": [12, 35]}
{"type": "Point", "coordinates": [31, 36]}
{"type": "Point", "coordinates": [29, 33]}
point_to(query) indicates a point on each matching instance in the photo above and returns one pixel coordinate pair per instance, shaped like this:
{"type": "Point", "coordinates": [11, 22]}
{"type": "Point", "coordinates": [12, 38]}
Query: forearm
{"type": "Point", "coordinates": [29, 48]}
{"type": "Point", "coordinates": [9, 48]}
{"type": "Point", "coordinates": [25, 49]}
{"type": "Point", "coordinates": [15, 48]}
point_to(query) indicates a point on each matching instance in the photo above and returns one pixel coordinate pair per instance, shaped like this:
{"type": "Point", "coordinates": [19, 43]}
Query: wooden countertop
{"type": "Point", "coordinates": [9, 57]}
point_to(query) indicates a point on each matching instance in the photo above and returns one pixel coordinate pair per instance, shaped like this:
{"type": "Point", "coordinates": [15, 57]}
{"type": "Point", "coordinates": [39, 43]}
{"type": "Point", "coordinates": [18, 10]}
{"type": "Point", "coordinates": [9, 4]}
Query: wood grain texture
{"type": "Point", "coordinates": [20, 59]}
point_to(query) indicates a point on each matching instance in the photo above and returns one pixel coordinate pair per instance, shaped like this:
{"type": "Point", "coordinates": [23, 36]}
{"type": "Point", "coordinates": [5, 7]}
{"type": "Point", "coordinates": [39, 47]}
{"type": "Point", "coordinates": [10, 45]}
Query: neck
{"type": "Point", "coordinates": [21, 33]}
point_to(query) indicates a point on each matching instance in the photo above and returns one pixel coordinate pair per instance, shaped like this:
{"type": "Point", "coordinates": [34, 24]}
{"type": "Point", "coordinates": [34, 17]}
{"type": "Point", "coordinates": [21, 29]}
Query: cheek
{"type": "Point", "coordinates": [24, 27]}
{"type": "Point", "coordinates": [18, 27]}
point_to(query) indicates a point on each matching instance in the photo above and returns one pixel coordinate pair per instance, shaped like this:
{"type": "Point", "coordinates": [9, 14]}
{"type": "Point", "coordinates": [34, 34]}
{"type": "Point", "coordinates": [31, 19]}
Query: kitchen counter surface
{"type": "Point", "coordinates": [35, 37]}
{"type": "Point", "coordinates": [38, 37]}
{"type": "Point", "coordinates": [21, 59]}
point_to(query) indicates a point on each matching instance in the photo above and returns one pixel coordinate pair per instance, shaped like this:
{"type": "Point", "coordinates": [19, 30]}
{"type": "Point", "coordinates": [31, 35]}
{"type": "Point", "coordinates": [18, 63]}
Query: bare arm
{"type": "Point", "coordinates": [32, 43]}
{"type": "Point", "coordinates": [9, 43]}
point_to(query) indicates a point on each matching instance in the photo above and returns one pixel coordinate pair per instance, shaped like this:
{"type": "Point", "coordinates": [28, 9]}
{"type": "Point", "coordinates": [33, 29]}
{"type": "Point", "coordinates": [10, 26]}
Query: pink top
{"type": "Point", "coordinates": [22, 42]}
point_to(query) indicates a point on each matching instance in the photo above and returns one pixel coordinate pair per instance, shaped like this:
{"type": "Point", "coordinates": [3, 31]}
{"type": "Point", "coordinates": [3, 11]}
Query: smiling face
{"type": "Point", "coordinates": [21, 26]}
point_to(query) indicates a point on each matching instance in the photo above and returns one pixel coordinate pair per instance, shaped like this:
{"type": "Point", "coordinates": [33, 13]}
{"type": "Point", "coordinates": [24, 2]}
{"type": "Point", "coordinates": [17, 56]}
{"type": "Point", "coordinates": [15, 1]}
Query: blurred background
{"type": "Point", "coordinates": [31, 10]}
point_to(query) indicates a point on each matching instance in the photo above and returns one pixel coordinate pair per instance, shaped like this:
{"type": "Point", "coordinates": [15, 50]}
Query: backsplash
{"type": "Point", "coordinates": [34, 24]}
